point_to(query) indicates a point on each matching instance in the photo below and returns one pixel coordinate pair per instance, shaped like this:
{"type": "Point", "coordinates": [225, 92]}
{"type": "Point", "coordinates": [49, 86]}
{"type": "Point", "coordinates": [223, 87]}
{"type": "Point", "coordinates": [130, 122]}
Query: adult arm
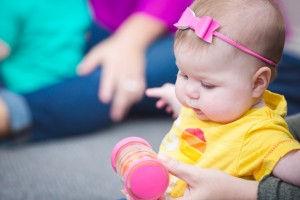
{"type": "Point", "coordinates": [166, 11]}
{"type": "Point", "coordinates": [287, 167]}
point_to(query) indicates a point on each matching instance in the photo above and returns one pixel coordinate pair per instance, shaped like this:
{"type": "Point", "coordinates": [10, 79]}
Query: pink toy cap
{"type": "Point", "coordinates": [147, 179]}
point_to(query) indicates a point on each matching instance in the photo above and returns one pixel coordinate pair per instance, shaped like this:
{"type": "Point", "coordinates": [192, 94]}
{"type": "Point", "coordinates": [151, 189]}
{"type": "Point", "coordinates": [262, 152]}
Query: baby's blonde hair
{"type": "Point", "coordinates": [256, 24]}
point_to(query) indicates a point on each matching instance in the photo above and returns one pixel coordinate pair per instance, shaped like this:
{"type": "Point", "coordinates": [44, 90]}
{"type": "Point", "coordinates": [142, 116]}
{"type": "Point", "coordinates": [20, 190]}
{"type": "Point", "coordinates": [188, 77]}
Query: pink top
{"type": "Point", "coordinates": [111, 13]}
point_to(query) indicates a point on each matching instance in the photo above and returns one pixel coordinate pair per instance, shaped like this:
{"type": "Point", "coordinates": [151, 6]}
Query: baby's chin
{"type": "Point", "coordinates": [216, 119]}
{"type": "Point", "coordinates": [203, 117]}
{"type": "Point", "coordinates": [222, 120]}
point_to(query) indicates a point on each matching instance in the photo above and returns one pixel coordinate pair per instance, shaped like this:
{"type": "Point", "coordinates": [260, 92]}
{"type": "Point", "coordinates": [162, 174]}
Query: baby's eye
{"type": "Point", "coordinates": [182, 75]}
{"type": "Point", "coordinates": [208, 86]}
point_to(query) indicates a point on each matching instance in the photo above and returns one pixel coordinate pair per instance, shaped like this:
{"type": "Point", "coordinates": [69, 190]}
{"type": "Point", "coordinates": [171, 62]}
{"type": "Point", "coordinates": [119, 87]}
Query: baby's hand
{"type": "Point", "coordinates": [166, 98]}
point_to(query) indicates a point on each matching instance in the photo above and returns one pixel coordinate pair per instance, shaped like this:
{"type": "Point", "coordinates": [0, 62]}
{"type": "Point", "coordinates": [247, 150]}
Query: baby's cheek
{"type": "Point", "coordinates": [220, 111]}
{"type": "Point", "coordinates": [228, 115]}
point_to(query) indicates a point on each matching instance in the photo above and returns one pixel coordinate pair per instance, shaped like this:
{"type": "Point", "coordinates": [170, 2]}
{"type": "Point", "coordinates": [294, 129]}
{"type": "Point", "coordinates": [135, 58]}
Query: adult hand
{"type": "Point", "coordinates": [166, 98]}
{"type": "Point", "coordinates": [122, 57]}
{"type": "Point", "coordinates": [209, 183]}
{"type": "Point", "coordinates": [122, 80]}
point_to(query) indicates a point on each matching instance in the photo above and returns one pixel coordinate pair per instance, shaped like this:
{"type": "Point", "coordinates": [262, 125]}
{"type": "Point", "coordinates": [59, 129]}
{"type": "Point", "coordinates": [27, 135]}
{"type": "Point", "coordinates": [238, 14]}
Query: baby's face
{"type": "Point", "coordinates": [218, 88]}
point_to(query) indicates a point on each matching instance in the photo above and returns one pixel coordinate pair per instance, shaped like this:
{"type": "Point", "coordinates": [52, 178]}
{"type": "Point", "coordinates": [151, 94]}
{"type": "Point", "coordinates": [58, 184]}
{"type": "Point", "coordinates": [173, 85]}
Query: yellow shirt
{"type": "Point", "coordinates": [248, 148]}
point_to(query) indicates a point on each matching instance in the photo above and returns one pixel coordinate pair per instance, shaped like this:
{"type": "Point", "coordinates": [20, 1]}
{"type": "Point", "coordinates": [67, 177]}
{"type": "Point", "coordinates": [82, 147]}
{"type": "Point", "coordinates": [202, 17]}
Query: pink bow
{"type": "Point", "coordinates": [203, 27]}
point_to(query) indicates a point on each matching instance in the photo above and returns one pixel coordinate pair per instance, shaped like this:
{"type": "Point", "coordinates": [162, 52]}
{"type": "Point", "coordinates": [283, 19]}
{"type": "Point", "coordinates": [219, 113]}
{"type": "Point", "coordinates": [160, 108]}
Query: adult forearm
{"type": "Point", "coordinates": [243, 189]}
{"type": "Point", "coordinates": [140, 30]}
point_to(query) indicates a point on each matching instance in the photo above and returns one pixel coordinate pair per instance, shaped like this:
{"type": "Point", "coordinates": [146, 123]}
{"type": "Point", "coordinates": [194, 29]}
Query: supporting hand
{"type": "Point", "coordinates": [122, 57]}
{"type": "Point", "coordinates": [210, 183]}
{"type": "Point", "coordinates": [122, 81]}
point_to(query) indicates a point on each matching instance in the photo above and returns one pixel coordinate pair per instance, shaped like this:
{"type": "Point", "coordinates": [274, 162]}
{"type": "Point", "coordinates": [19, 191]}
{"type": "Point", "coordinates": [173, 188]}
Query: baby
{"type": "Point", "coordinates": [227, 53]}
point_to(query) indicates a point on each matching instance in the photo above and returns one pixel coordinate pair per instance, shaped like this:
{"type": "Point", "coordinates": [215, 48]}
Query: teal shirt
{"type": "Point", "coordinates": [46, 40]}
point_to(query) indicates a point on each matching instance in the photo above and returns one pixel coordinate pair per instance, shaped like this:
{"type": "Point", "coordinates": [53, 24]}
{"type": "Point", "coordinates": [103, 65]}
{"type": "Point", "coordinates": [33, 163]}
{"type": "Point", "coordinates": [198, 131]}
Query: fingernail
{"type": "Point", "coordinates": [116, 117]}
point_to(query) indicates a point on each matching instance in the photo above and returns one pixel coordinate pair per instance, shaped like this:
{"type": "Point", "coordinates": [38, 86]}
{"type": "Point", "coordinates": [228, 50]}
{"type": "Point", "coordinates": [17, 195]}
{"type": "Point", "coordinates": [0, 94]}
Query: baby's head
{"type": "Point", "coordinates": [219, 80]}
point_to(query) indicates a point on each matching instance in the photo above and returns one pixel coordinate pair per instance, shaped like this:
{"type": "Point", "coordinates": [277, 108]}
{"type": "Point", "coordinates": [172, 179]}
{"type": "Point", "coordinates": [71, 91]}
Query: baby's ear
{"type": "Point", "coordinates": [261, 80]}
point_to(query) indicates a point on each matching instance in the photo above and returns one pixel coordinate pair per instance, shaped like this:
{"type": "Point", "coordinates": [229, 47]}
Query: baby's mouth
{"type": "Point", "coordinates": [198, 111]}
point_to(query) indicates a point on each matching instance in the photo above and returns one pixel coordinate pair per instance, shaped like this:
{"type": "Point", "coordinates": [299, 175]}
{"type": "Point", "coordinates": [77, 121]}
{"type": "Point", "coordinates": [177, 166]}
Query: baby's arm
{"type": "Point", "coordinates": [287, 169]}
{"type": "Point", "coordinates": [167, 98]}
{"type": "Point", "coordinates": [4, 50]}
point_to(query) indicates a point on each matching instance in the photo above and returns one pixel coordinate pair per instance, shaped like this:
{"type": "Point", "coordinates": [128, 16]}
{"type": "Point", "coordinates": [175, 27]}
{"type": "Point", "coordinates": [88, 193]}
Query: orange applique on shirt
{"type": "Point", "coordinates": [195, 138]}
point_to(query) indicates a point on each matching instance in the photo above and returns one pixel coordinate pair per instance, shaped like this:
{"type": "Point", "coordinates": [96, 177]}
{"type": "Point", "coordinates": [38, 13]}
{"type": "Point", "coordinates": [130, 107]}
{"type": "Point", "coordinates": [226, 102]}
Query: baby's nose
{"type": "Point", "coordinates": [192, 91]}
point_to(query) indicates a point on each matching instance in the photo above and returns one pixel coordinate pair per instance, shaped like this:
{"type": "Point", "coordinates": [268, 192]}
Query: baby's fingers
{"type": "Point", "coordinates": [156, 92]}
{"type": "Point", "coordinates": [161, 103]}
{"type": "Point", "coordinates": [169, 109]}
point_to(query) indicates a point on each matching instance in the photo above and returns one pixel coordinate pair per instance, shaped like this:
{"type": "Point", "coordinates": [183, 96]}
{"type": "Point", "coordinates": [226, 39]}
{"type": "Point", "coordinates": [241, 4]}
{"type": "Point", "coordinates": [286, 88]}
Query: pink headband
{"type": "Point", "coordinates": [206, 27]}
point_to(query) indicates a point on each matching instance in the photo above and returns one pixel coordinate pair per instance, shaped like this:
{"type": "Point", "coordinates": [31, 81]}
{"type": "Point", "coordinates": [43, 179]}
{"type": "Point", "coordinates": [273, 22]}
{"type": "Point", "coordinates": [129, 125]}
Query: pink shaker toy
{"type": "Point", "coordinates": [144, 176]}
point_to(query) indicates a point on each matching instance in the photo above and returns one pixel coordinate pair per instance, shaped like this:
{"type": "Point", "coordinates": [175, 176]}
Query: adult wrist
{"type": "Point", "coordinates": [248, 190]}
{"type": "Point", "coordinates": [139, 30]}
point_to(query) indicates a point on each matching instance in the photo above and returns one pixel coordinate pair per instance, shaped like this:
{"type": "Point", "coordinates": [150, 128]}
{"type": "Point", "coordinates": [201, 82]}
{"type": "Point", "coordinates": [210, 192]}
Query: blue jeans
{"type": "Point", "coordinates": [72, 107]}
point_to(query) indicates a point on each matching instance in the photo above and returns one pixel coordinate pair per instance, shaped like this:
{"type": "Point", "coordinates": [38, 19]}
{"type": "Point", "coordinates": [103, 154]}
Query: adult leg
{"type": "Point", "coordinates": [74, 107]}
{"type": "Point", "coordinates": [287, 82]}
{"type": "Point", "coordinates": [68, 108]}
